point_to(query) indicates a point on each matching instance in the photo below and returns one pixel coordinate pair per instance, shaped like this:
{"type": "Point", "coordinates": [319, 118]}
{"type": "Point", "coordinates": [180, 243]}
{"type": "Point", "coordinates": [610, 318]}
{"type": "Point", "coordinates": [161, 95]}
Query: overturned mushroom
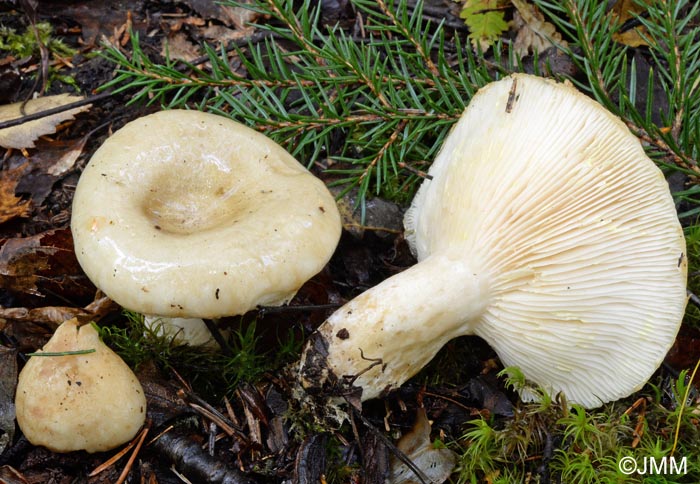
{"type": "Point", "coordinates": [544, 229]}
{"type": "Point", "coordinates": [81, 396]}
{"type": "Point", "coordinates": [183, 214]}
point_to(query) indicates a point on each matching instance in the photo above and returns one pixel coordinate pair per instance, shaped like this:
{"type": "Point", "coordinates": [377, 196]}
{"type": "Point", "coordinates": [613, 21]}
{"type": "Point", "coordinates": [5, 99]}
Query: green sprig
{"type": "Point", "coordinates": [62, 353]}
{"type": "Point", "coordinates": [372, 110]}
{"type": "Point", "coordinates": [612, 73]}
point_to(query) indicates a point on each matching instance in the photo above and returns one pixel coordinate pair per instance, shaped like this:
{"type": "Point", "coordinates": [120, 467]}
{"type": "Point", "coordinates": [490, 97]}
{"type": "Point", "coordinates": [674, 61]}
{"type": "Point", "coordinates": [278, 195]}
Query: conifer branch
{"type": "Point", "coordinates": [373, 106]}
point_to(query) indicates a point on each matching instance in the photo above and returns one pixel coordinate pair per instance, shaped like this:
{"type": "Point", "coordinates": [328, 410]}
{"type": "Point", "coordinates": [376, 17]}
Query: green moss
{"type": "Point", "coordinates": [209, 372]}
{"type": "Point", "coordinates": [572, 444]}
{"type": "Point", "coordinates": [25, 44]}
{"type": "Point", "coordinates": [393, 108]}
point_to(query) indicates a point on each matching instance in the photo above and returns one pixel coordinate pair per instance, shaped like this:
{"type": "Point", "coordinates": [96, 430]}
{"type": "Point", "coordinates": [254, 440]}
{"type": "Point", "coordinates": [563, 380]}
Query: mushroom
{"type": "Point", "coordinates": [183, 214]}
{"type": "Point", "coordinates": [80, 401]}
{"type": "Point", "coordinates": [188, 331]}
{"type": "Point", "coordinates": [544, 229]}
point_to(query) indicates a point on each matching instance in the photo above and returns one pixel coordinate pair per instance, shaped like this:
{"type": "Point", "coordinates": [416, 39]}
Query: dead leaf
{"type": "Point", "coordinates": [685, 351]}
{"type": "Point", "coordinates": [43, 264]}
{"type": "Point", "coordinates": [219, 33]}
{"type": "Point", "coordinates": [10, 205]}
{"type": "Point", "coordinates": [100, 307]}
{"type": "Point", "coordinates": [10, 475]}
{"type": "Point", "coordinates": [176, 24]}
{"type": "Point", "coordinates": [49, 163]}
{"type": "Point", "coordinates": [435, 463]}
{"type": "Point", "coordinates": [533, 33]}
{"type": "Point", "coordinates": [8, 381]}
{"type": "Point", "coordinates": [24, 135]}
{"type": "Point", "coordinates": [52, 315]}
{"type": "Point", "coordinates": [35, 184]}
{"type": "Point", "coordinates": [177, 46]}
{"type": "Point", "coordinates": [623, 11]}
{"type": "Point", "coordinates": [230, 16]}
{"type": "Point", "coordinates": [20, 261]}
{"type": "Point", "coordinates": [98, 18]}
{"type": "Point", "coordinates": [32, 328]}
{"type": "Point", "coordinates": [10, 79]}
{"type": "Point", "coordinates": [67, 160]}
{"type": "Point", "coordinates": [382, 217]}
{"type": "Point", "coordinates": [311, 459]}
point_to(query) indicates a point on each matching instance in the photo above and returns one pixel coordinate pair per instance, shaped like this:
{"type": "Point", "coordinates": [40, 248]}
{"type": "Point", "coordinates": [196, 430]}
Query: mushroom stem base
{"type": "Point", "coordinates": [189, 331]}
{"type": "Point", "coordinates": [387, 334]}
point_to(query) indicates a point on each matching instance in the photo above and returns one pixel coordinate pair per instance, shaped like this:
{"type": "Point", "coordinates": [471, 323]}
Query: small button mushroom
{"type": "Point", "coordinates": [90, 401]}
{"type": "Point", "coordinates": [183, 214]}
{"type": "Point", "coordinates": [544, 229]}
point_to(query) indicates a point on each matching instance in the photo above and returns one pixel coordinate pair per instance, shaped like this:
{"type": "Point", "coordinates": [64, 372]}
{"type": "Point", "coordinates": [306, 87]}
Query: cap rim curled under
{"type": "Point", "coordinates": [189, 214]}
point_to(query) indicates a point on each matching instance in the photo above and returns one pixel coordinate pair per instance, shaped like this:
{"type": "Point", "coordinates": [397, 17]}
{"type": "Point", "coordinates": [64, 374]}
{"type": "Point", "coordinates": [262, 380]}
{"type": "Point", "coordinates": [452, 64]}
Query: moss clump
{"type": "Point", "coordinates": [554, 442]}
{"type": "Point", "coordinates": [25, 44]}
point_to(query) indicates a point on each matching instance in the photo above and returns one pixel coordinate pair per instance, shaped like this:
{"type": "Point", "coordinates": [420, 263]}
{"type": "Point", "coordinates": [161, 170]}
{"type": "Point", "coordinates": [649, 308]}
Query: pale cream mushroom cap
{"type": "Point", "coordinates": [546, 230]}
{"type": "Point", "coordinates": [91, 402]}
{"type": "Point", "coordinates": [188, 214]}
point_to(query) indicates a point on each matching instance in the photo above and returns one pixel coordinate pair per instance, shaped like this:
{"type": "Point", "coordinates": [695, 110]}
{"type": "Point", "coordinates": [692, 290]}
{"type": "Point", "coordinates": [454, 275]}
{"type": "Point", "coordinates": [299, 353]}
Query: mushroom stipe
{"type": "Point", "coordinates": [544, 229]}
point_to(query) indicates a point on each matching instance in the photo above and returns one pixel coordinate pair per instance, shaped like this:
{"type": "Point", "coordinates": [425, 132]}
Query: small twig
{"type": "Point", "coordinates": [205, 409]}
{"type": "Point", "coordinates": [212, 438]}
{"type": "Point", "coordinates": [130, 462]}
{"type": "Point", "coordinates": [262, 310]}
{"type": "Point", "coordinates": [389, 445]}
{"type": "Point", "coordinates": [372, 228]}
{"type": "Point", "coordinates": [383, 149]}
{"type": "Point", "coordinates": [213, 327]}
{"type": "Point", "coordinates": [351, 379]}
{"type": "Point", "coordinates": [187, 457]}
{"type": "Point", "coordinates": [415, 171]}
{"type": "Point", "coordinates": [50, 112]}
{"type": "Point", "coordinates": [30, 7]}
{"type": "Point", "coordinates": [682, 161]}
{"type": "Point", "coordinates": [449, 399]}
{"type": "Point", "coordinates": [437, 15]}
{"type": "Point", "coordinates": [217, 419]}
{"type": "Point", "coordinates": [404, 30]}
{"type": "Point", "coordinates": [112, 460]}
{"type": "Point", "coordinates": [693, 298]}
{"type": "Point", "coordinates": [684, 404]}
